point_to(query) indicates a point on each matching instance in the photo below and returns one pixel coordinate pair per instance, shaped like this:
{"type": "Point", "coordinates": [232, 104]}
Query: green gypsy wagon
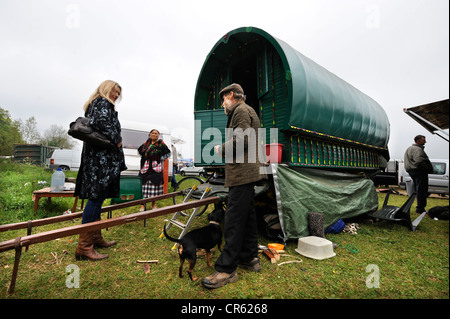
{"type": "Point", "coordinates": [323, 121]}
{"type": "Point", "coordinates": [332, 135]}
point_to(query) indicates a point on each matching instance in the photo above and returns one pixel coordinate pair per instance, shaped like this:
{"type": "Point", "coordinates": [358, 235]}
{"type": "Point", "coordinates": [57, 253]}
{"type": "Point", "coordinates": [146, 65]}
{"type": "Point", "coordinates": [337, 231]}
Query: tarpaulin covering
{"type": "Point", "coordinates": [334, 194]}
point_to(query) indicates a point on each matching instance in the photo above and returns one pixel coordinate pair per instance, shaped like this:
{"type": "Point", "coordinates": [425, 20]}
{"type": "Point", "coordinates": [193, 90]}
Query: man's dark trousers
{"type": "Point", "coordinates": [241, 232]}
{"type": "Point", "coordinates": [420, 179]}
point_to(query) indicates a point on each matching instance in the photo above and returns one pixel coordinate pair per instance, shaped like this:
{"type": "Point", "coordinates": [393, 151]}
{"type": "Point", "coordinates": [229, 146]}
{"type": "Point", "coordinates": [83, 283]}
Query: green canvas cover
{"type": "Point", "coordinates": [325, 104]}
{"type": "Point", "coordinates": [336, 195]}
{"type": "Point", "coordinates": [291, 92]}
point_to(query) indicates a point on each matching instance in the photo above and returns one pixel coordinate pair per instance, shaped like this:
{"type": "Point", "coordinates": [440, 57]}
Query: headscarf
{"type": "Point", "coordinates": [155, 152]}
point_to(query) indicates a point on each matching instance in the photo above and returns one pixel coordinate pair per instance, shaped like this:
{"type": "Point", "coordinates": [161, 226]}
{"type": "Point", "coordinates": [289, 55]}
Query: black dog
{"type": "Point", "coordinates": [206, 237]}
{"type": "Point", "coordinates": [439, 212]}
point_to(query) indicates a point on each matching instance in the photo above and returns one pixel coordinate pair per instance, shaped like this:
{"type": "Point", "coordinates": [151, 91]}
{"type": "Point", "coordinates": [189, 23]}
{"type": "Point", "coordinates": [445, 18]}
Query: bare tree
{"type": "Point", "coordinates": [29, 131]}
{"type": "Point", "coordinates": [57, 136]}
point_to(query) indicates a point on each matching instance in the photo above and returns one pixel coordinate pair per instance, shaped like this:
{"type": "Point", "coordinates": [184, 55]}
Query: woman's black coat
{"type": "Point", "coordinates": [99, 173]}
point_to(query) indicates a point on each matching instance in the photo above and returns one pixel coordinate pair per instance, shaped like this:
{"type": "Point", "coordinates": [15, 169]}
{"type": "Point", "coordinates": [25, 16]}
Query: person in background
{"type": "Point", "coordinates": [418, 166]}
{"type": "Point", "coordinates": [99, 174]}
{"type": "Point", "coordinates": [153, 152]}
{"type": "Point", "coordinates": [174, 166]}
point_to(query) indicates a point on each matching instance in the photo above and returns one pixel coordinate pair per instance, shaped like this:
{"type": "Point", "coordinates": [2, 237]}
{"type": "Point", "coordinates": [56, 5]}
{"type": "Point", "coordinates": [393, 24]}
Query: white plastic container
{"type": "Point", "coordinates": [315, 247]}
{"type": "Point", "coordinates": [58, 179]}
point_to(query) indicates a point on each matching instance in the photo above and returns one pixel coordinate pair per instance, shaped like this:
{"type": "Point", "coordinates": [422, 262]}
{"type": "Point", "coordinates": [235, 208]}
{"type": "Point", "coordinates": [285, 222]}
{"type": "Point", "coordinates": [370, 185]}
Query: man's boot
{"type": "Point", "coordinates": [219, 279]}
{"type": "Point", "coordinates": [252, 265]}
{"type": "Point", "coordinates": [85, 248]}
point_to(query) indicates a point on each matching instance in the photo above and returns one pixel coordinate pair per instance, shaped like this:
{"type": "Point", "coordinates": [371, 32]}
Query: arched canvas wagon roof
{"type": "Point", "coordinates": [318, 102]}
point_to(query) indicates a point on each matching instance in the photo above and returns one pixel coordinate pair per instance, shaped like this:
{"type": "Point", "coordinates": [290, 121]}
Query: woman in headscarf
{"type": "Point", "coordinates": [153, 152]}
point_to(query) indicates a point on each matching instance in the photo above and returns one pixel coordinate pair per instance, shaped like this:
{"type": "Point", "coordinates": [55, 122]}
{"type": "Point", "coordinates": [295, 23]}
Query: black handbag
{"type": "Point", "coordinates": [82, 130]}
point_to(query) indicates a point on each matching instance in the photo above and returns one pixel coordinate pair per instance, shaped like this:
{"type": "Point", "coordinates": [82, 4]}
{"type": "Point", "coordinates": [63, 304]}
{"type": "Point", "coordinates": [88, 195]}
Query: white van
{"type": "Point", "coordinates": [67, 160]}
{"type": "Point", "coordinates": [437, 181]}
{"type": "Point", "coordinates": [134, 134]}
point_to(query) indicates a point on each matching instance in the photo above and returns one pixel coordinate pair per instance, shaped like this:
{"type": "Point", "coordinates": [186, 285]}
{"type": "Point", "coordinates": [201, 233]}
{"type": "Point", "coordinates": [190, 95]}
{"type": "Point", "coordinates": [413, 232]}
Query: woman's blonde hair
{"type": "Point", "coordinates": [103, 91]}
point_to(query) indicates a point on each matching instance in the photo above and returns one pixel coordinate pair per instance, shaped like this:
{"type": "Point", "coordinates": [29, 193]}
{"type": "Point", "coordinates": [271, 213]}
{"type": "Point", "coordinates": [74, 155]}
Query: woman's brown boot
{"type": "Point", "coordinates": [99, 241]}
{"type": "Point", "coordinates": [85, 248]}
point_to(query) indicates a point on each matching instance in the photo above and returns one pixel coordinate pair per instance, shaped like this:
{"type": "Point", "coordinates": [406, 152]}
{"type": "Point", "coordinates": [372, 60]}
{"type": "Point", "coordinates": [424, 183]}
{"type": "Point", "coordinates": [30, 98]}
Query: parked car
{"type": "Point", "coordinates": [193, 170]}
{"type": "Point", "coordinates": [67, 160]}
{"type": "Point", "coordinates": [437, 181]}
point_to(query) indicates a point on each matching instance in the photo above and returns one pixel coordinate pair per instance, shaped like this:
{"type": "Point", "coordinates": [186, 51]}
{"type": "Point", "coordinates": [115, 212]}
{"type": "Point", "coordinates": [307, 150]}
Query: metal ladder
{"type": "Point", "coordinates": [185, 227]}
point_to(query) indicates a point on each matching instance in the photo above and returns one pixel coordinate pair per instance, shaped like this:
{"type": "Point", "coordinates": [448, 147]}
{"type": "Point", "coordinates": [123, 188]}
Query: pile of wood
{"type": "Point", "coordinates": [275, 255]}
{"type": "Point", "coordinates": [272, 254]}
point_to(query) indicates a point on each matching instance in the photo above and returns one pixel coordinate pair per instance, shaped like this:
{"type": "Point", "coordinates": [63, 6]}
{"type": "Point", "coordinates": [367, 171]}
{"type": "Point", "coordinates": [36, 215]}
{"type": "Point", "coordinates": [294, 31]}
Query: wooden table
{"type": "Point", "coordinates": [46, 192]}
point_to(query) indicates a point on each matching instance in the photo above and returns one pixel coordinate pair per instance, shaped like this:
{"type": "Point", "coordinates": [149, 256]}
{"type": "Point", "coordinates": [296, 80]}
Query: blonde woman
{"type": "Point", "coordinates": [99, 174]}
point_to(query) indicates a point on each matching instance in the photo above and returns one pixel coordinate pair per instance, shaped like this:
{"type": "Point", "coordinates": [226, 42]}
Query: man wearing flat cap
{"type": "Point", "coordinates": [242, 171]}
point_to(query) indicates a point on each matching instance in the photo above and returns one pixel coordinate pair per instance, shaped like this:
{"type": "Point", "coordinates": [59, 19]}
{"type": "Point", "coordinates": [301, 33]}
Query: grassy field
{"type": "Point", "coordinates": [410, 265]}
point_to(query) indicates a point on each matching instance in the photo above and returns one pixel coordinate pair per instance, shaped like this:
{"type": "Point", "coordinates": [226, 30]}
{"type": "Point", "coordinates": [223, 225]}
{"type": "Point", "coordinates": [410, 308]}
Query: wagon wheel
{"type": "Point", "coordinates": [185, 185]}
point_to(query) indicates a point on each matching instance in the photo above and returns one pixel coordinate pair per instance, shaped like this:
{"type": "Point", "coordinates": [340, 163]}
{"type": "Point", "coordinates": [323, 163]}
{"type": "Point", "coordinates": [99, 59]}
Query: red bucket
{"type": "Point", "coordinates": [274, 152]}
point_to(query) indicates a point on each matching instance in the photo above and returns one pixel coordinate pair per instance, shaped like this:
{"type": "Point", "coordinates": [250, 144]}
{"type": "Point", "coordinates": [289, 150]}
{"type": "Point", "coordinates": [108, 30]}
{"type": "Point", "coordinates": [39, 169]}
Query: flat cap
{"type": "Point", "coordinates": [232, 87]}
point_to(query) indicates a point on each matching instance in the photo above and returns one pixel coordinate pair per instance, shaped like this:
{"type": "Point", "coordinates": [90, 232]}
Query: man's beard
{"type": "Point", "coordinates": [226, 106]}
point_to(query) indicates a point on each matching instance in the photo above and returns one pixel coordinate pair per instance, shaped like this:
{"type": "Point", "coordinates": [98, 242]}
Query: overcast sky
{"type": "Point", "coordinates": [54, 53]}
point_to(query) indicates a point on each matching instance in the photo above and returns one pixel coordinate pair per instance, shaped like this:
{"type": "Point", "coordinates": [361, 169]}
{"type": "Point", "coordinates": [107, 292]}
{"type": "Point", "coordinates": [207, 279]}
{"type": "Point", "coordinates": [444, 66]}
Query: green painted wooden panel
{"type": "Point", "coordinates": [311, 152]}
